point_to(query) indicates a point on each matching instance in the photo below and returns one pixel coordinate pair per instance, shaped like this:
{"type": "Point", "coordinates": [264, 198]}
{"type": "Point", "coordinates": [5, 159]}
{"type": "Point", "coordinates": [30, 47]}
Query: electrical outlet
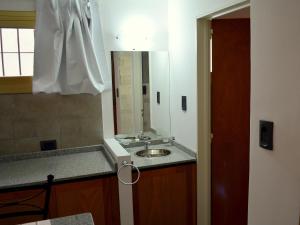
{"type": "Point", "coordinates": [48, 145]}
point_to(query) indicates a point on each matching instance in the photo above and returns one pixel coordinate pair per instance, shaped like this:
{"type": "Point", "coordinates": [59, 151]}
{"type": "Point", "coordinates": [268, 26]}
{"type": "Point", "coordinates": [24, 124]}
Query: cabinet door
{"type": "Point", "coordinates": [99, 197]}
{"type": "Point", "coordinates": [166, 196]}
{"type": "Point", "coordinates": [19, 195]}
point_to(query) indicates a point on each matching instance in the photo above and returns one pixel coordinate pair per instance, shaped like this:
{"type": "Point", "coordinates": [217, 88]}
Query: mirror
{"type": "Point", "coordinates": [141, 88]}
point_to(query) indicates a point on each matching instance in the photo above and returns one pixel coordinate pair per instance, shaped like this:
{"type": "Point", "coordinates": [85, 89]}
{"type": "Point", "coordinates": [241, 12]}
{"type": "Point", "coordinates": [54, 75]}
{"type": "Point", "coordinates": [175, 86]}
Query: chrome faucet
{"type": "Point", "coordinates": [171, 140]}
{"type": "Point", "coordinates": [147, 143]}
{"type": "Point", "coordinates": [141, 135]}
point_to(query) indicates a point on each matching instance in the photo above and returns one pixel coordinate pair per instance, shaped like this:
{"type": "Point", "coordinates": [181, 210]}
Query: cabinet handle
{"type": "Point", "coordinates": [126, 164]}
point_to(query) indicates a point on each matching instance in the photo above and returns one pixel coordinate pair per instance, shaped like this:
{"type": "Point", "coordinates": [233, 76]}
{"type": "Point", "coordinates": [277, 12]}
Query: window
{"type": "Point", "coordinates": [16, 51]}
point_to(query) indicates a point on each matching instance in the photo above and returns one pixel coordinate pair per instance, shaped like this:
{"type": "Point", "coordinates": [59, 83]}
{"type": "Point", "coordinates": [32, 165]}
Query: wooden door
{"type": "Point", "coordinates": [99, 197]}
{"type": "Point", "coordinates": [166, 196]}
{"type": "Point", "coordinates": [230, 121]}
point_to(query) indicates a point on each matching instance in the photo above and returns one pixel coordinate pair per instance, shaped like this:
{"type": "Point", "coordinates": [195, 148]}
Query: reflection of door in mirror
{"type": "Point", "coordinates": [141, 97]}
{"type": "Point", "coordinates": [128, 92]}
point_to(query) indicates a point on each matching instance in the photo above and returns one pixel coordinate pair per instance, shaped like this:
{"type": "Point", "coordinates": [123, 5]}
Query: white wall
{"type": "Point", "coordinates": [130, 20]}
{"type": "Point", "coordinates": [115, 15]}
{"type": "Point", "coordinates": [159, 81]}
{"type": "Point", "coordinates": [275, 176]}
{"type": "Point", "coordinates": [25, 5]}
{"type": "Point", "coordinates": [183, 60]}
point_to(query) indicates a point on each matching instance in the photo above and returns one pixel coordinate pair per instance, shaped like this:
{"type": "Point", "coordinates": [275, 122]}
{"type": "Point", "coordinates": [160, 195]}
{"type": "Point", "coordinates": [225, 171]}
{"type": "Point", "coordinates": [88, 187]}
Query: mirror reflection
{"type": "Point", "coordinates": [141, 87]}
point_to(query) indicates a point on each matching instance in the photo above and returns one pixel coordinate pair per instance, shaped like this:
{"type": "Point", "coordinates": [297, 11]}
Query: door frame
{"type": "Point", "coordinates": [204, 110]}
{"type": "Point", "coordinates": [137, 102]}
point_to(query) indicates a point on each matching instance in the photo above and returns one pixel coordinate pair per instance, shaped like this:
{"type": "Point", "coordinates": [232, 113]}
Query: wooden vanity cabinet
{"type": "Point", "coordinates": [163, 196]}
{"type": "Point", "coordinates": [99, 197]}
{"type": "Point", "coordinates": [166, 196]}
{"type": "Point", "coordinates": [12, 196]}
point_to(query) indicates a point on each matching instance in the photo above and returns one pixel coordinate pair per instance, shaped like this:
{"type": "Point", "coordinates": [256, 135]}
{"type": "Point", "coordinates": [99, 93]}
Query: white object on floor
{"type": "Point", "coordinates": [45, 222]}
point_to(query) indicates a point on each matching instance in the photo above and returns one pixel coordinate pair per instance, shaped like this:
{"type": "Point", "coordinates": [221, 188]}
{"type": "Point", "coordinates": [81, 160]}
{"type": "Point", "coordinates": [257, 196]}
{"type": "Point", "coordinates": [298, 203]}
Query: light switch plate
{"type": "Point", "coordinates": [266, 134]}
{"type": "Point", "coordinates": [183, 103]}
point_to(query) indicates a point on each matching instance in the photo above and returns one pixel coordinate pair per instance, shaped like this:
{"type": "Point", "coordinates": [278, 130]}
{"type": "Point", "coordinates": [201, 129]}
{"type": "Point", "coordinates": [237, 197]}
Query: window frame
{"type": "Point", "coordinates": [16, 19]}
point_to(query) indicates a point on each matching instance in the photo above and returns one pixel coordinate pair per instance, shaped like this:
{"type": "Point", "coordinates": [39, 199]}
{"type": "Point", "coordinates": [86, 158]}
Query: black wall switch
{"type": "Point", "coordinates": [48, 145]}
{"type": "Point", "coordinates": [158, 97]}
{"type": "Point", "coordinates": [266, 134]}
{"type": "Point", "coordinates": [144, 89]}
{"type": "Point", "coordinates": [183, 103]}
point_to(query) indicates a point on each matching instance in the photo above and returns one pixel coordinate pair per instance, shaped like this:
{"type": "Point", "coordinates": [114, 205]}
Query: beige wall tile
{"type": "Point", "coordinates": [27, 119]}
{"type": "Point", "coordinates": [37, 106]}
{"type": "Point", "coordinates": [27, 145]}
{"type": "Point", "coordinates": [7, 147]}
{"type": "Point", "coordinates": [6, 129]}
{"type": "Point", "coordinates": [7, 106]}
{"type": "Point", "coordinates": [80, 105]}
{"type": "Point", "coordinates": [69, 141]}
{"type": "Point", "coordinates": [91, 126]}
{"type": "Point", "coordinates": [24, 129]}
{"type": "Point", "coordinates": [79, 141]}
{"type": "Point", "coordinates": [46, 128]}
{"type": "Point", "coordinates": [70, 126]}
{"type": "Point", "coordinates": [91, 140]}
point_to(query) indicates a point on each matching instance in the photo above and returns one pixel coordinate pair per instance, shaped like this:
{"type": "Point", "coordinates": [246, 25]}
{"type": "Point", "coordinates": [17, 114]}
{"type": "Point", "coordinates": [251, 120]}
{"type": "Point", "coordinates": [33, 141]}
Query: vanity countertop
{"type": "Point", "coordinates": [80, 219]}
{"type": "Point", "coordinates": [125, 139]}
{"type": "Point", "coordinates": [30, 169]}
{"type": "Point", "coordinates": [179, 155]}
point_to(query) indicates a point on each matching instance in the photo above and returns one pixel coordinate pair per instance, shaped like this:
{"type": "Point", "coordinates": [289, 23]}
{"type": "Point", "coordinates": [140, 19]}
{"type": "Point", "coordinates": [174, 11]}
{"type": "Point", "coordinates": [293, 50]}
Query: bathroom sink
{"type": "Point", "coordinates": [153, 153]}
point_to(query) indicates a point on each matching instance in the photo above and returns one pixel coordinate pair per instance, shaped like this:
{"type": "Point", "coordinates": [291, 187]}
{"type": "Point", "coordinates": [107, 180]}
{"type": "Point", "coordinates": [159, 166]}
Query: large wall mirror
{"type": "Point", "coordinates": [141, 93]}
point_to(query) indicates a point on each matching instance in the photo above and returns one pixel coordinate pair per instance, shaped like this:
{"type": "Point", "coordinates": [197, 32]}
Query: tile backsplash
{"type": "Point", "coordinates": [27, 119]}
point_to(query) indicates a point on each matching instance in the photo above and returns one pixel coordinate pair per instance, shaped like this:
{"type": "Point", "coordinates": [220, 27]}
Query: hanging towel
{"type": "Point", "coordinates": [69, 51]}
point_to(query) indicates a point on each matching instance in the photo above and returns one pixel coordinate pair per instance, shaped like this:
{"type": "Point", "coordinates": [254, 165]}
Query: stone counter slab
{"type": "Point", "coordinates": [81, 219]}
{"type": "Point", "coordinates": [31, 171]}
{"type": "Point", "coordinates": [177, 156]}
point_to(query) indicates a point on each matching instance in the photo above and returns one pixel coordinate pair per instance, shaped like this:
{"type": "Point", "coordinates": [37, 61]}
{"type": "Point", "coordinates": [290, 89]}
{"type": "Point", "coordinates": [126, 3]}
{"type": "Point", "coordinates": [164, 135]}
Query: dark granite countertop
{"type": "Point", "coordinates": [32, 168]}
{"type": "Point", "coordinates": [26, 170]}
{"type": "Point", "coordinates": [179, 155]}
{"type": "Point", "coordinates": [80, 219]}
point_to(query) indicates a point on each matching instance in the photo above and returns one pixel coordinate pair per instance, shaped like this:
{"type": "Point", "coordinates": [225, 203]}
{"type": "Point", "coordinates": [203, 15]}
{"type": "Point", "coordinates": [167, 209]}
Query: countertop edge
{"type": "Point", "coordinates": [58, 153]}
{"type": "Point", "coordinates": [167, 164]}
{"type": "Point", "coordinates": [38, 184]}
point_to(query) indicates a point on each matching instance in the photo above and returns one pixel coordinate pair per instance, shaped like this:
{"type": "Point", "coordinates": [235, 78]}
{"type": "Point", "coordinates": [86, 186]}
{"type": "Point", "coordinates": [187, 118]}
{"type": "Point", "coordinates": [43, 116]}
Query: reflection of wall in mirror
{"type": "Point", "coordinates": [159, 81]}
{"type": "Point", "coordinates": [138, 77]}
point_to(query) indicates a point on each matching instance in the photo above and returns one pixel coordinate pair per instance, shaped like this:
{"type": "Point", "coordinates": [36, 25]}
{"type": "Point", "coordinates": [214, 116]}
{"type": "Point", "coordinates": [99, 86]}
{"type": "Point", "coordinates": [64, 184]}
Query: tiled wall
{"type": "Point", "coordinates": [26, 119]}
